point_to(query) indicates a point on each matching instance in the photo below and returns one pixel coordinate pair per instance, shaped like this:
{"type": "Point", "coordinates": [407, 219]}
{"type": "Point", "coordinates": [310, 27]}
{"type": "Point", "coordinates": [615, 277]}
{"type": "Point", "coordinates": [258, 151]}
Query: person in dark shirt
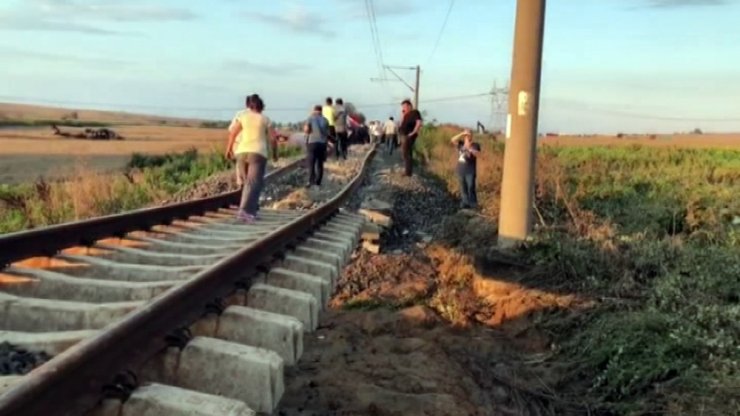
{"type": "Point", "coordinates": [317, 133]}
{"type": "Point", "coordinates": [467, 156]}
{"type": "Point", "coordinates": [408, 131]}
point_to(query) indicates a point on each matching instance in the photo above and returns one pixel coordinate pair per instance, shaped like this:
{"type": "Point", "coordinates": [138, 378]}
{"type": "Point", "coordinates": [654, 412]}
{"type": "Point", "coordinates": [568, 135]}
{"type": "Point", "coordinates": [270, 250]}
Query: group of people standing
{"type": "Point", "coordinates": [327, 126]}
{"type": "Point", "coordinates": [252, 139]}
{"type": "Point", "coordinates": [385, 134]}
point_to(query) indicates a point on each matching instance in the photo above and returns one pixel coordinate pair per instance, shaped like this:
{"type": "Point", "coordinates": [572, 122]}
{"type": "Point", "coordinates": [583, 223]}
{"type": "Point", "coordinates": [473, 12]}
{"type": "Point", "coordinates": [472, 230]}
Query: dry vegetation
{"type": "Point", "coordinates": [649, 235]}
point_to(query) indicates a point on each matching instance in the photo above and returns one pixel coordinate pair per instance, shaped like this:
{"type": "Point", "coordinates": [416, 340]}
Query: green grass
{"type": "Point", "coordinates": [214, 124]}
{"type": "Point", "coordinates": [655, 232]}
{"type": "Point", "coordinates": [147, 179]}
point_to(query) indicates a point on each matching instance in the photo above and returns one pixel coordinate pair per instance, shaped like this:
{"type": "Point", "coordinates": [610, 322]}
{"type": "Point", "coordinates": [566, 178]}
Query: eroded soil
{"type": "Point", "coordinates": [429, 326]}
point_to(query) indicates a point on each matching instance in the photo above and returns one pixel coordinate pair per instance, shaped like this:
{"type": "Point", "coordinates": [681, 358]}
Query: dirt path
{"type": "Point", "coordinates": [418, 329]}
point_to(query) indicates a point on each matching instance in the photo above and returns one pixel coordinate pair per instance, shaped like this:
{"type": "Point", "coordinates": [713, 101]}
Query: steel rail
{"type": "Point", "coordinates": [73, 381]}
{"type": "Point", "coordinates": [48, 241]}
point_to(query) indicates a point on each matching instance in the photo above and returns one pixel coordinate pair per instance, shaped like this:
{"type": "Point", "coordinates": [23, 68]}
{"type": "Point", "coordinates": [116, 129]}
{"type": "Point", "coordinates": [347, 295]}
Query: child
{"type": "Point", "coordinates": [467, 155]}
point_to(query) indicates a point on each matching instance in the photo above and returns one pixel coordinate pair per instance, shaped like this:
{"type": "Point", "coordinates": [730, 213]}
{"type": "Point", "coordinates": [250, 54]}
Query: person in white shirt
{"type": "Point", "coordinates": [251, 154]}
{"type": "Point", "coordinates": [390, 131]}
{"type": "Point", "coordinates": [340, 128]}
{"type": "Point", "coordinates": [376, 130]}
{"type": "Point", "coordinates": [233, 124]}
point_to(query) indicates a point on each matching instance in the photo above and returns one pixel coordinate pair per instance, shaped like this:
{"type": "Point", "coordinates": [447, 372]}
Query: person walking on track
{"type": "Point", "coordinates": [340, 128]}
{"type": "Point", "coordinates": [317, 134]}
{"type": "Point", "coordinates": [376, 131]}
{"type": "Point", "coordinates": [328, 112]}
{"type": "Point", "coordinates": [234, 122]}
{"type": "Point", "coordinates": [251, 156]}
{"type": "Point", "coordinates": [390, 131]}
{"type": "Point", "coordinates": [467, 156]}
{"type": "Point", "coordinates": [409, 130]}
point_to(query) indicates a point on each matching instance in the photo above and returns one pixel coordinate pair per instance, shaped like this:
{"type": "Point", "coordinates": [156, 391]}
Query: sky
{"type": "Point", "coordinates": [608, 65]}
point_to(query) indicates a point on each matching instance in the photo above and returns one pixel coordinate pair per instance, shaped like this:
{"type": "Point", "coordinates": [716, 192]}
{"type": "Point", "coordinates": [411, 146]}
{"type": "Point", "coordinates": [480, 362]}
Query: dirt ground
{"type": "Point", "coordinates": [427, 329]}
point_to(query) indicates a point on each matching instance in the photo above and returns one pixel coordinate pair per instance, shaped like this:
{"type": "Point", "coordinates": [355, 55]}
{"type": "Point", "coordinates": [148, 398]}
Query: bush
{"type": "Point", "coordinates": [214, 124]}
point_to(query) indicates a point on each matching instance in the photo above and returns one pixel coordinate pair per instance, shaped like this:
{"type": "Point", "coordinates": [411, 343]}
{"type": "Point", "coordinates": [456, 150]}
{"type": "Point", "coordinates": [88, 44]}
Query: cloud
{"type": "Point", "coordinates": [110, 10]}
{"type": "Point", "coordinates": [12, 53]}
{"type": "Point", "coordinates": [11, 22]}
{"type": "Point", "coordinates": [670, 4]}
{"type": "Point", "coordinates": [269, 69]}
{"type": "Point", "coordinates": [296, 19]}
{"type": "Point", "coordinates": [86, 17]}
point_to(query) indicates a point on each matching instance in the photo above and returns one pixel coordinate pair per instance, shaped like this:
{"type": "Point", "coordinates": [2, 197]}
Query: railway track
{"type": "Point", "coordinates": [176, 310]}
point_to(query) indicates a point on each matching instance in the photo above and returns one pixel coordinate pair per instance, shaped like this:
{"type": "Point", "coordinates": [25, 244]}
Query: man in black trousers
{"type": "Point", "coordinates": [408, 131]}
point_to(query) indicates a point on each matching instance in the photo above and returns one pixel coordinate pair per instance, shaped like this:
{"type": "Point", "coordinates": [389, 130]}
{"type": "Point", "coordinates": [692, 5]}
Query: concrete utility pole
{"type": "Point", "coordinates": [416, 88]}
{"type": "Point", "coordinates": [517, 188]}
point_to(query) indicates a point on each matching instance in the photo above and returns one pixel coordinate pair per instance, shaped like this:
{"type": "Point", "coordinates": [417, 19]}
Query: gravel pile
{"type": "Point", "coordinates": [213, 185]}
{"type": "Point", "coordinates": [289, 191]}
{"type": "Point", "coordinates": [18, 361]}
{"type": "Point", "coordinates": [337, 174]}
{"type": "Point", "coordinates": [420, 203]}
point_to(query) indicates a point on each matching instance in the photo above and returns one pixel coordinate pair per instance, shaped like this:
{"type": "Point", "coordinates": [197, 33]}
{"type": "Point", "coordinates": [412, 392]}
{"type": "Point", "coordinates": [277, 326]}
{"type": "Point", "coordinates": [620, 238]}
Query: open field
{"type": "Point", "coordinates": [10, 112]}
{"type": "Point", "coordinates": [28, 153]}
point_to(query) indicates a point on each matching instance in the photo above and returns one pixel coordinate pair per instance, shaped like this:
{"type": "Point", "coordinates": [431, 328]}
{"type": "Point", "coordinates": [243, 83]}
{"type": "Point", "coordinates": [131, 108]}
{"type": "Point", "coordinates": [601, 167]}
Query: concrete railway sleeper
{"type": "Point", "coordinates": [198, 316]}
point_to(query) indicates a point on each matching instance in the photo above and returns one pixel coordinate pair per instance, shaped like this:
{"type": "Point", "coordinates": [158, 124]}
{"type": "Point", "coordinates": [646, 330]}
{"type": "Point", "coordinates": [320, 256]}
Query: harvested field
{"type": "Point", "coordinates": [27, 153]}
{"type": "Point", "coordinates": [24, 112]}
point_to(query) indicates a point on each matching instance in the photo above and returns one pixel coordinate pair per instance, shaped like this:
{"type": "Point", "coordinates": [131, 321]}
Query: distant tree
{"type": "Point", "coordinates": [697, 131]}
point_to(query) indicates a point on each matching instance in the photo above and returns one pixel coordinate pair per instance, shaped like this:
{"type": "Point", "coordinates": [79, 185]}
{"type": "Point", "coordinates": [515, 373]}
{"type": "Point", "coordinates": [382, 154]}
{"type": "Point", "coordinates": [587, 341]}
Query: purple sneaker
{"type": "Point", "coordinates": [245, 218]}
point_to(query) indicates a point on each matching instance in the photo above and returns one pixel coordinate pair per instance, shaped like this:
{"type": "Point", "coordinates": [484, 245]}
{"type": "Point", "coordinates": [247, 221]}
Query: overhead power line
{"type": "Point", "coordinates": [584, 108]}
{"type": "Point", "coordinates": [229, 109]}
{"type": "Point", "coordinates": [441, 31]}
{"type": "Point", "coordinates": [375, 34]}
{"type": "Point", "coordinates": [644, 116]}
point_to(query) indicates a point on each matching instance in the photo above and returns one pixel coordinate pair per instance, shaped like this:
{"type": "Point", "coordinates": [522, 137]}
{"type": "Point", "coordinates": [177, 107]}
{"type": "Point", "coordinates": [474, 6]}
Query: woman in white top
{"type": "Point", "coordinates": [233, 124]}
{"type": "Point", "coordinates": [251, 155]}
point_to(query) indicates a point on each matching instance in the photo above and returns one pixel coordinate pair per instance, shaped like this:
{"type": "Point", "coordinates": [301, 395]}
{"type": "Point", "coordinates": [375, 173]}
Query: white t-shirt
{"type": "Point", "coordinates": [234, 121]}
{"type": "Point", "coordinates": [254, 135]}
{"type": "Point", "coordinates": [390, 127]}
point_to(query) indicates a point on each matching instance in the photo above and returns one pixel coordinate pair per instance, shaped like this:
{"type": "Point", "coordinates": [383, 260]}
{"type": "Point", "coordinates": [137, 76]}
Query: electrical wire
{"type": "Point", "coordinates": [441, 31]}
{"type": "Point", "coordinates": [641, 116]}
{"type": "Point", "coordinates": [221, 110]}
{"type": "Point", "coordinates": [375, 35]}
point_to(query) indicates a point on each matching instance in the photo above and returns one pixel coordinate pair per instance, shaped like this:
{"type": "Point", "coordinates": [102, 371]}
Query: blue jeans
{"type": "Point", "coordinates": [467, 189]}
{"type": "Point", "coordinates": [390, 143]}
{"type": "Point", "coordinates": [251, 168]}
